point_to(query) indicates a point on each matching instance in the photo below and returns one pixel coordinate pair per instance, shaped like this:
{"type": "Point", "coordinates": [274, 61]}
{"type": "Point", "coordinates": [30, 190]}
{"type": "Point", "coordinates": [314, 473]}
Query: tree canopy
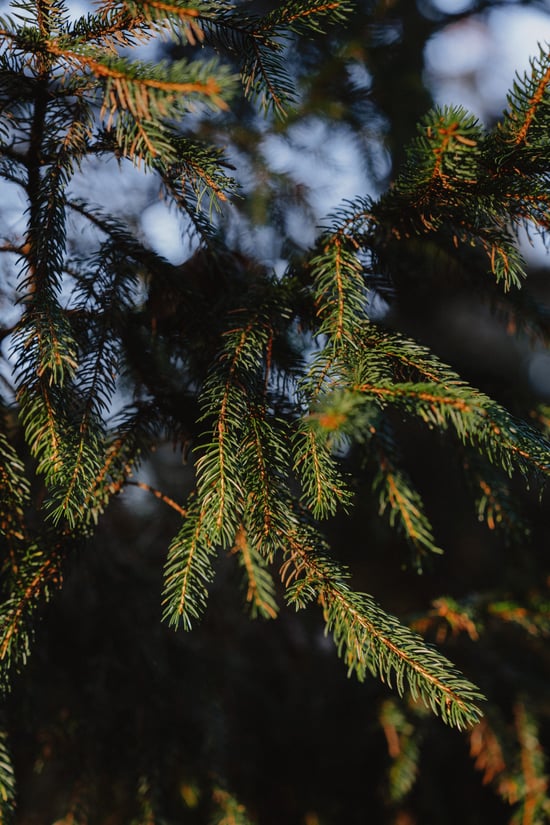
{"type": "Point", "coordinates": [323, 427]}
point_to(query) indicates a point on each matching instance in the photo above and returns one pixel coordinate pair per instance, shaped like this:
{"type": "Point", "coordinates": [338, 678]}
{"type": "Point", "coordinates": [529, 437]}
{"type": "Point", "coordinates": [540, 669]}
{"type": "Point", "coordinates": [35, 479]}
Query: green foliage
{"type": "Point", "coordinates": [7, 781]}
{"type": "Point", "coordinates": [229, 810]}
{"type": "Point", "coordinates": [521, 781]}
{"type": "Point", "coordinates": [291, 395]}
{"type": "Point", "coordinates": [403, 746]}
{"type": "Point", "coordinates": [371, 640]}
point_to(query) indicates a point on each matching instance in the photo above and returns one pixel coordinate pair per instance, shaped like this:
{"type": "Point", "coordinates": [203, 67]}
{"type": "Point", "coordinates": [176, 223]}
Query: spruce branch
{"type": "Point", "coordinates": [31, 583]}
{"type": "Point", "coordinates": [15, 494]}
{"type": "Point", "coordinates": [371, 640]}
{"type": "Point", "coordinates": [258, 45]}
{"type": "Point", "coordinates": [189, 569]}
{"type": "Point", "coordinates": [527, 106]}
{"type": "Point", "coordinates": [521, 782]}
{"type": "Point", "coordinates": [486, 750]}
{"type": "Point", "coordinates": [397, 495]}
{"type": "Point", "coordinates": [131, 436]}
{"type": "Point", "coordinates": [260, 588]}
{"type": "Point", "coordinates": [198, 170]}
{"type": "Point", "coordinates": [403, 740]}
{"type": "Point", "coordinates": [8, 786]}
{"type": "Point", "coordinates": [288, 374]}
{"type": "Point", "coordinates": [495, 501]}
{"type": "Point", "coordinates": [447, 191]}
{"type": "Point", "coordinates": [531, 784]}
{"type": "Point", "coordinates": [227, 394]}
{"type": "Point", "coordinates": [506, 441]}
{"type": "Point", "coordinates": [178, 19]}
{"type": "Point", "coordinates": [309, 15]}
{"type": "Point", "coordinates": [142, 485]}
{"type": "Point", "coordinates": [533, 617]}
{"type": "Point", "coordinates": [112, 28]}
{"type": "Point", "coordinates": [451, 617]}
{"type": "Point", "coordinates": [265, 463]}
{"type": "Point", "coordinates": [324, 488]}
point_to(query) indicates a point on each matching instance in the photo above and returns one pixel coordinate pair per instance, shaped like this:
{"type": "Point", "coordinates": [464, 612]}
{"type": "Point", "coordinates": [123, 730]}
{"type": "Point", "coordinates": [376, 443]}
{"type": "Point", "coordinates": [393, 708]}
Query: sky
{"type": "Point", "coordinates": [473, 62]}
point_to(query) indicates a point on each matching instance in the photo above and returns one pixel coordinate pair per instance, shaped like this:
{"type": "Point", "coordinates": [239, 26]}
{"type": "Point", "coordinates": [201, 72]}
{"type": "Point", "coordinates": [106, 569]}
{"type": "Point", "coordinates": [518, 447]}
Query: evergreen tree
{"type": "Point", "coordinates": [288, 398]}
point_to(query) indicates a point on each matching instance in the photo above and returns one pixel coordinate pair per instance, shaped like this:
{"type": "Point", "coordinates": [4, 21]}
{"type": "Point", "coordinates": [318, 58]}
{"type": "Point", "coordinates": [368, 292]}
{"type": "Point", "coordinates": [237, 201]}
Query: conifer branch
{"type": "Point", "coordinates": [495, 502]}
{"type": "Point", "coordinates": [182, 19]}
{"type": "Point", "coordinates": [130, 437]}
{"type": "Point", "coordinates": [260, 592]}
{"type": "Point", "coordinates": [486, 751]}
{"type": "Point", "coordinates": [398, 496]}
{"type": "Point", "coordinates": [257, 44]}
{"type": "Point", "coordinates": [537, 86]}
{"type": "Point", "coordinates": [324, 488]}
{"type": "Point", "coordinates": [403, 741]}
{"type": "Point", "coordinates": [31, 584]}
{"type": "Point", "coordinates": [533, 789]}
{"type": "Point", "coordinates": [14, 493]}
{"type": "Point", "coordinates": [265, 460]}
{"type": "Point", "coordinates": [473, 415]}
{"type": "Point", "coordinates": [368, 639]}
{"type": "Point", "coordinates": [189, 569]}
{"type": "Point", "coordinates": [8, 787]}
{"type": "Point", "coordinates": [158, 494]}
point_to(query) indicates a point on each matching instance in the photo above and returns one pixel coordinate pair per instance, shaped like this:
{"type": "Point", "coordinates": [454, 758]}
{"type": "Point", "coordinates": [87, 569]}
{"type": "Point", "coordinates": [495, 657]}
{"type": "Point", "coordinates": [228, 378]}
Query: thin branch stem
{"type": "Point", "coordinates": [160, 495]}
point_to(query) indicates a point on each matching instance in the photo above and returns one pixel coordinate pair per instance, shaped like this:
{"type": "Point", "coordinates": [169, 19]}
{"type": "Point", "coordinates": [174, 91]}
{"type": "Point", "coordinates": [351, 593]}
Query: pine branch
{"type": "Point", "coordinates": [8, 786]}
{"type": "Point", "coordinates": [528, 102]}
{"type": "Point", "coordinates": [260, 589]}
{"type": "Point", "coordinates": [486, 750]}
{"type": "Point", "coordinates": [506, 441]}
{"type": "Point", "coordinates": [117, 25]}
{"type": "Point", "coordinates": [189, 569]}
{"type": "Point", "coordinates": [14, 494]}
{"type": "Point", "coordinates": [324, 488]}
{"type": "Point", "coordinates": [370, 640]}
{"type": "Point", "coordinates": [495, 501]}
{"type": "Point", "coordinates": [30, 584]}
{"type": "Point", "coordinates": [307, 15]}
{"type": "Point", "coordinates": [132, 435]}
{"type": "Point", "coordinates": [397, 495]}
{"type": "Point", "coordinates": [403, 741]}
{"type": "Point", "coordinates": [446, 191]}
{"type": "Point", "coordinates": [257, 43]}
